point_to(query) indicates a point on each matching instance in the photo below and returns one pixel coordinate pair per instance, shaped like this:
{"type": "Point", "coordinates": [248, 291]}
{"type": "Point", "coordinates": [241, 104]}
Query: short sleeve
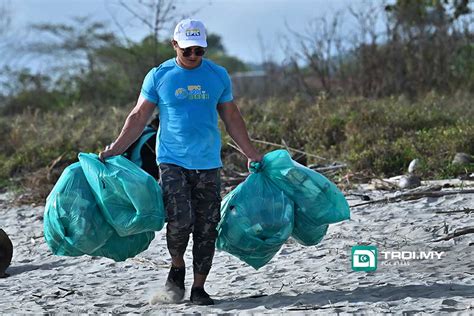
{"type": "Point", "coordinates": [227, 93]}
{"type": "Point", "coordinates": [148, 88]}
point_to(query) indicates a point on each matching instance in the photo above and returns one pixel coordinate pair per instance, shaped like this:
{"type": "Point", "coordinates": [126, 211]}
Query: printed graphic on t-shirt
{"type": "Point", "coordinates": [193, 92]}
{"type": "Point", "coordinates": [181, 93]}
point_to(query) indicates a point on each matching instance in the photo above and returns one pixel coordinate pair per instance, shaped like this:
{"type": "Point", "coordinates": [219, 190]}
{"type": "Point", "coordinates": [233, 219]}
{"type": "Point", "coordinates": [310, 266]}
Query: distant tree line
{"type": "Point", "coordinates": [409, 47]}
{"type": "Point", "coordinates": [420, 46]}
{"type": "Point", "coordinates": [83, 62]}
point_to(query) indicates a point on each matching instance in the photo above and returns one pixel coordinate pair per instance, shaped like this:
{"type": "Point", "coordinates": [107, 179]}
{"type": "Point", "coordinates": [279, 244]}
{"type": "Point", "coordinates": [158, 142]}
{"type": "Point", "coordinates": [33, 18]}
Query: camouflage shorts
{"type": "Point", "coordinates": [192, 202]}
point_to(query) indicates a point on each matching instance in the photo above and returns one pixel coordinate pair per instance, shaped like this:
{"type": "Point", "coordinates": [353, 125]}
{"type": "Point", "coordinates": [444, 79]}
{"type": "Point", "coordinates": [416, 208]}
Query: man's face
{"type": "Point", "coordinates": [189, 57]}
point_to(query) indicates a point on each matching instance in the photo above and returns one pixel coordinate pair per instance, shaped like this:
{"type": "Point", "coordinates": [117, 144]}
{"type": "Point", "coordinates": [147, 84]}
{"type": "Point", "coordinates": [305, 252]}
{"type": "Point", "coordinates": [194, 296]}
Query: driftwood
{"type": "Point", "coordinates": [414, 196]}
{"type": "Point", "coordinates": [465, 210]}
{"type": "Point", "coordinates": [380, 184]}
{"type": "Point", "coordinates": [328, 168]}
{"type": "Point", "coordinates": [457, 233]}
{"type": "Point", "coordinates": [363, 197]}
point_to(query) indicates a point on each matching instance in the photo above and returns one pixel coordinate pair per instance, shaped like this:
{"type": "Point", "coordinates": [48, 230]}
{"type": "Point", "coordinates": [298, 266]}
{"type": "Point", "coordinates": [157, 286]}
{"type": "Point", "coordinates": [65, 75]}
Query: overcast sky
{"type": "Point", "coordinates": [239, 22]}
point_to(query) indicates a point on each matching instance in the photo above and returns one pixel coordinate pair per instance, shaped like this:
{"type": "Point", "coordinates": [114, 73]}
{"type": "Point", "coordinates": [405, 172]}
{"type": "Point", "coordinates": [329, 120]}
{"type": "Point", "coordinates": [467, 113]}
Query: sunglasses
{"type": "Point", "coordinates": [198, 51]}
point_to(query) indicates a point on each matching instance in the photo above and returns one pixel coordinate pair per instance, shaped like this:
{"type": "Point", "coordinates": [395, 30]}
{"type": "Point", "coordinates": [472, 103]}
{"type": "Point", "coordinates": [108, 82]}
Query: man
{"type": "Point", "coordinates": [190, 92]}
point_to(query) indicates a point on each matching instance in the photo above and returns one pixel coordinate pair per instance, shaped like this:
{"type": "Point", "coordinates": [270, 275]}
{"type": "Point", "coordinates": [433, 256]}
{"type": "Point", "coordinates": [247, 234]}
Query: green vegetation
{"type": "Point", "coordinates": [379, 137]}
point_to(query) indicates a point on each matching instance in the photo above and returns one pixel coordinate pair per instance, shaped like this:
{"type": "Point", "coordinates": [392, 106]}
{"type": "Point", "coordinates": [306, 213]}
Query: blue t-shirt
{"type": "Point", "coordinates": [188, 135]}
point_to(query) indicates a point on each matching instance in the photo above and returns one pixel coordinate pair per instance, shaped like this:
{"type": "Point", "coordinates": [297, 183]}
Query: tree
{"type": "Point", "coordinates": [87, 63]}
{"type": "Point", "coordinates": [426, 36]}
{"type": "Point", "coordinates": [155, 15]}
{"type": "Point", "coordinates": [428, 12]}
{"type": "Point", "coordinates": [71, 44]}
{"type": "Point", "coordinates": [318, 48]}
{"type": "Point", "coordinates": [5, 17]}
{"type": "Point", "coordinates": [214, 43]}
{"type": "Point", "coordinates": [5, 24]}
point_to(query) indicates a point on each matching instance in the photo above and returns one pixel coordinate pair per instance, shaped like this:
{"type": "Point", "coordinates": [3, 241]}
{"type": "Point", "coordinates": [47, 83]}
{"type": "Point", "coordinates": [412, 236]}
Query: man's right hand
{"type": "Point", "coordinates": [107, 152]}
{"type": "Point", "coordinates": [133, 127]}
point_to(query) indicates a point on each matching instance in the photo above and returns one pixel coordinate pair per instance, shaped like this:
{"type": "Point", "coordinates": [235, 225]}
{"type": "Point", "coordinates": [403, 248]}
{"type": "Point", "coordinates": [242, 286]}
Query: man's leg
{"type": "Point", "coordinates": [177, 200]}
{"type": "Point", "coordinates": [206, 202]}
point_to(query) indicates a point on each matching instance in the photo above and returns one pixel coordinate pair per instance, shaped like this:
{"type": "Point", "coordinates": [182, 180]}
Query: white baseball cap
{"type": "Point", "coordinates": [189, 33]}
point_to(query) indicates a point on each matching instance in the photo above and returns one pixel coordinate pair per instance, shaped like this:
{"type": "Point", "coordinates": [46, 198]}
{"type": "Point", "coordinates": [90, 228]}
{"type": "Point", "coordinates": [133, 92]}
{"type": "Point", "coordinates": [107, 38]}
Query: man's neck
{"type": "Point", "coordinates": [178, 61]}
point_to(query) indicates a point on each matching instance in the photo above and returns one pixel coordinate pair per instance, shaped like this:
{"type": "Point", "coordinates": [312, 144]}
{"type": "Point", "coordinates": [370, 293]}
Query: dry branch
{"type": "Point", "coordinates": [329, 168]}
{"type": "Point", "coordinates": [465, 210]}
{"type": "Point", "coordinates": [457, 233]}
{"type": "Point", "coordinates": [236, 148]}
{"type": "Point", "coordinates": [288, 148]}
{"type": "Point", "coordinates": [414, 196]}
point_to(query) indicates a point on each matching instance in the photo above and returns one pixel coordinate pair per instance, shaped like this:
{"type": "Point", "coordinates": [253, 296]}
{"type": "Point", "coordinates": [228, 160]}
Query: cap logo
{"type": "Point", "coordinates": [193, 32]}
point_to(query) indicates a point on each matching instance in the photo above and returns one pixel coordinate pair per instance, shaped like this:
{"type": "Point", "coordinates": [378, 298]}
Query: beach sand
{"type": "Point", "coordinates": [299, 279]}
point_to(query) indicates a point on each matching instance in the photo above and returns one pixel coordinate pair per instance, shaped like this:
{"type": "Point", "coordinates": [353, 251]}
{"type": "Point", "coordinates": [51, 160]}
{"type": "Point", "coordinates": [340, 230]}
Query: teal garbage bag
{"type": "Point", "coordinates": [74, 224]}
{"type": "Point", "coordinates": [135, 153]}
{"type": "Point", "coordinates": [318, 201]}
{"type": "Point", "coordinates": [129, 198]}
{"type": "Point", "coordinates": [256, 220]}
{"type": "Point", "coordinates": [121, 248]}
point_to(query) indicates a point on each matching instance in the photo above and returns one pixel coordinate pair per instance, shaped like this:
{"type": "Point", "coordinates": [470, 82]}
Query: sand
{"type": "Point", "coordinates": [299, 279]}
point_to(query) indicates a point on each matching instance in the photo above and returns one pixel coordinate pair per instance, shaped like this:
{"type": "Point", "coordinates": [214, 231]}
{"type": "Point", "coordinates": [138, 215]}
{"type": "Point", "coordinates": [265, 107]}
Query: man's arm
{"type": "Point", "coordinates": [235, 126]}
{"type": "Point", "coordinates": [132, 129]}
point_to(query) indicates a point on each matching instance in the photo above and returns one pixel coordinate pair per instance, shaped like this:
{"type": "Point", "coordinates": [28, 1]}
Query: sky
{"type": "Point", "coordinates": [250, 29]}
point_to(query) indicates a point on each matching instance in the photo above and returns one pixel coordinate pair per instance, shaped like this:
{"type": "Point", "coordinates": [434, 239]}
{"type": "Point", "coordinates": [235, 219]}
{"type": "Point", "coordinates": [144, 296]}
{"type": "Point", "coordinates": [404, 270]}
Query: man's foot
{"type": "Point", "coordinates": [175, 284]}
{"type": "Point", "coordinates": [200, 297]}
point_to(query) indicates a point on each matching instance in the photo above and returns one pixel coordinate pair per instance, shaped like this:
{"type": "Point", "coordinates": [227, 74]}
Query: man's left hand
{"type": "Point", "coordinates": [256, 158]}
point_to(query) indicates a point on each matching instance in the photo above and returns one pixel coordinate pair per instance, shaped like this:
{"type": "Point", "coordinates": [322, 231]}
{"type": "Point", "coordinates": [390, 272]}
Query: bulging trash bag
{"type": "Point", "coordinates": [306, 232]}
{"type": "Point", "coordinates": [256, 219]}
{"type": "Point", "coordinates": [121, 248]}
{"type": "Point", "coordinates": [129, 198]}
{"type": "Point", "coordinates": [74, 224]}
{"type": "Point", "coordinates": [318, 201]}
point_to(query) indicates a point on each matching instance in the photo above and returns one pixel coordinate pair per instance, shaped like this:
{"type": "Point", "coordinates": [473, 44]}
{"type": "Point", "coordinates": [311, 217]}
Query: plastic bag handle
{"type": "Point", "coordinates": [255, 166]}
